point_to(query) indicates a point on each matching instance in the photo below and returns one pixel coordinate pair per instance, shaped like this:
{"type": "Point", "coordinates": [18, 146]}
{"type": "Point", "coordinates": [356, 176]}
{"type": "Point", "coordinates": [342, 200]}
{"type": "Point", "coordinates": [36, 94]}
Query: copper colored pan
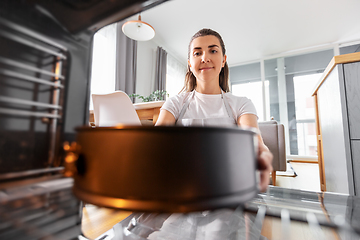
{"type": "Point", "coordinates": [163, 169]}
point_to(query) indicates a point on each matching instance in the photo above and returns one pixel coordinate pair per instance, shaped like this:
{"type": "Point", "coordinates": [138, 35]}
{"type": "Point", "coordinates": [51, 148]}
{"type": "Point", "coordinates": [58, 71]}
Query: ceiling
{"type": "Point", "coordinates": [255, 29]}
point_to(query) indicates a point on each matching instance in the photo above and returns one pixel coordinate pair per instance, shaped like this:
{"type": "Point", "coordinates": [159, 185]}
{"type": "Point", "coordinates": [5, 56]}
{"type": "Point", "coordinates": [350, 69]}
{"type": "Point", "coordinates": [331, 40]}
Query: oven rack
{"type": "Point", "coordinates": [32, 85]}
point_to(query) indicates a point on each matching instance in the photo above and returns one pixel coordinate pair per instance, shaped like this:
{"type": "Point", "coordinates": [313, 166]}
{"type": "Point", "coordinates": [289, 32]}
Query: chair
{"type": "Point", "coordinates": [113, 109]}
{"type": "Point", "coordinates": [273, 135]}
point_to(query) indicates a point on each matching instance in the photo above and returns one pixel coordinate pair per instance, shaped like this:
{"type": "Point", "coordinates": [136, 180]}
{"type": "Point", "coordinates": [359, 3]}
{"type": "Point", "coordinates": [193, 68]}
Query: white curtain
{"type": "Point", "coordinates": [103, 61]}
{"type": "Point", "coordinates": [113, 61]}
{"type": "Point", "coordinates": [175, 75]}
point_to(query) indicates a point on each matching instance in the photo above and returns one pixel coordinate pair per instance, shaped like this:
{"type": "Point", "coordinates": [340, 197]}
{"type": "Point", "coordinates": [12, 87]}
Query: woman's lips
{"type": "Point", "coordinates": [207, 68]}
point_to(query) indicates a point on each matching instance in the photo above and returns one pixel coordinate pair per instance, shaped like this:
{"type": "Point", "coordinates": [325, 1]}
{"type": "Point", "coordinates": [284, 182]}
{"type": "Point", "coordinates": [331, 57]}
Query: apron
{"type": "Point", "coordinates": [216, 122]}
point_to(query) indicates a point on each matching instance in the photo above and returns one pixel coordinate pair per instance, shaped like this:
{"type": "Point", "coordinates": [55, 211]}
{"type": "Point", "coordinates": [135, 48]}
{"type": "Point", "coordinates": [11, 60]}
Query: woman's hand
{"type": "Point", "coordinates": [265, 158]}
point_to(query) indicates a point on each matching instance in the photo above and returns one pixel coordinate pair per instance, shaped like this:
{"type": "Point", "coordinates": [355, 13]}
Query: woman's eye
{"type": "Point", "coordinates": [196, 54]}
{"type": "Point", "coordinates": [213, 51]}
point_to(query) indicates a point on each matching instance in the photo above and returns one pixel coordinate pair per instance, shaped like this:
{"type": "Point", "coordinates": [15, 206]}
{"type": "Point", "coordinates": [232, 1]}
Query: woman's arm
{"type": "Point", "coordinates": [265, 156]}
{"type": "Point", "coordinates": [165, 119]}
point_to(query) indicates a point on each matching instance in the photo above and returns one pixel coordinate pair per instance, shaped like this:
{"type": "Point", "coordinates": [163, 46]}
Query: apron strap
{"type": "Point", "coordinates": [185, 106]}
{"type": "Point", "coordinates": [227, 106]}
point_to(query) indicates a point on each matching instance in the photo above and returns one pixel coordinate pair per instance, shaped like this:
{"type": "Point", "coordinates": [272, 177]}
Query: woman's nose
{"type": "Point", "coordinates": [205, 58]}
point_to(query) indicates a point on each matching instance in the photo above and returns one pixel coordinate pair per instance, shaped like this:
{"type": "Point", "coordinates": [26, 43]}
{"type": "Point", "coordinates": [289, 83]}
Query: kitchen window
{"type": "Point", "coordinates": [281, 89]}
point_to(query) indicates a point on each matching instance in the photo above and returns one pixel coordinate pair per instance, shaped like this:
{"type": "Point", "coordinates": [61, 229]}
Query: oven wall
{"type": "Point", "coordinates": [25, 140]}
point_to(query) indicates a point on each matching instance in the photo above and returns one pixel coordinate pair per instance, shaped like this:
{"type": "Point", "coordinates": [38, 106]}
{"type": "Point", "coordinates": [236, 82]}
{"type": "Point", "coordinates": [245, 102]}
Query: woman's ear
{"type": "Point", "coordinates": [224, 60]}
{"type": "Point", "coordinates": [189, 64]}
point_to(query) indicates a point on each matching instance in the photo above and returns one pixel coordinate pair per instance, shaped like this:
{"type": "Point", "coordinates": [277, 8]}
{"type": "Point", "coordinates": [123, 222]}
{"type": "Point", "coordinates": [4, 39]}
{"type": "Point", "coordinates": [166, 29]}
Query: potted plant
{"type": "Point", "coordinates": [158, 95]}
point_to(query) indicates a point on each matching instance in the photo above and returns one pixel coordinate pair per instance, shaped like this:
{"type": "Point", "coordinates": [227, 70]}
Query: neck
{"type": "Point", "coordinates": [208, 89]}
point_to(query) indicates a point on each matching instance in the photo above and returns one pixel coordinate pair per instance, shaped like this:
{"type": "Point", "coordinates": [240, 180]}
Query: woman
{"type": "Point", "coordinates": [205, 99]}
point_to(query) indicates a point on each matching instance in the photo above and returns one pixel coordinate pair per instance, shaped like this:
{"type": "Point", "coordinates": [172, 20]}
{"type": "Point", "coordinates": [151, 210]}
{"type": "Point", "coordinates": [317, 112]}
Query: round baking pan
{"type": "Point", "coordinates": [165, 169]}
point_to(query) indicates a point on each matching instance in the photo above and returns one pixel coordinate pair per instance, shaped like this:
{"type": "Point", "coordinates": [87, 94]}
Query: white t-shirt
{"type": "Point", "coordinates": [208, 105]}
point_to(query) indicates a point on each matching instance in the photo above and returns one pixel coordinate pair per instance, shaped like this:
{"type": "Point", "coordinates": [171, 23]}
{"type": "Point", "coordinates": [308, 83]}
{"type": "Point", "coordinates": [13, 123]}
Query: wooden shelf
{"type": "Point", "coordinates": [346, 58]}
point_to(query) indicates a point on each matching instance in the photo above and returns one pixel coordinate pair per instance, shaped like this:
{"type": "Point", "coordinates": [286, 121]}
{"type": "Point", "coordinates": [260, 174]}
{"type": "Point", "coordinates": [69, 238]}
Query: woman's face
{"type": "Point", "coordinates": [206, 58]}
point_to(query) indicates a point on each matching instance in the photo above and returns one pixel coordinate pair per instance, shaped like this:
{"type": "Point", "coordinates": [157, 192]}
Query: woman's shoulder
{"type": "Point", "coordinates": [176, 101]}
{"type": "Point", "coordinates": [232, 97]}
{"type": "Point", "coordinates": [181, 97]}
{"type": "Point", "coordinates": [241, 104]}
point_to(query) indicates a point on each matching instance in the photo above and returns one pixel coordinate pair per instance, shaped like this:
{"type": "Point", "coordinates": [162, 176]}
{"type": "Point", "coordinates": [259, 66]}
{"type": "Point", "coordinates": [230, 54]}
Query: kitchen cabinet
{"type": "Point", "coordinates": [337, 100]}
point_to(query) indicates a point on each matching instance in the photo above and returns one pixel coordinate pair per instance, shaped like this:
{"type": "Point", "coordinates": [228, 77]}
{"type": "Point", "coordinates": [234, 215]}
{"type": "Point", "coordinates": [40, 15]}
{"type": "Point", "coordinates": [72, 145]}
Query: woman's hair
{"type": "Point", "coordinates": [190, 79]}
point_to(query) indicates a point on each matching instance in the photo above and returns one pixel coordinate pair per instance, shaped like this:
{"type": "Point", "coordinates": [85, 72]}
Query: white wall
{"type": "Point", "coordinates": [145, 72]}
